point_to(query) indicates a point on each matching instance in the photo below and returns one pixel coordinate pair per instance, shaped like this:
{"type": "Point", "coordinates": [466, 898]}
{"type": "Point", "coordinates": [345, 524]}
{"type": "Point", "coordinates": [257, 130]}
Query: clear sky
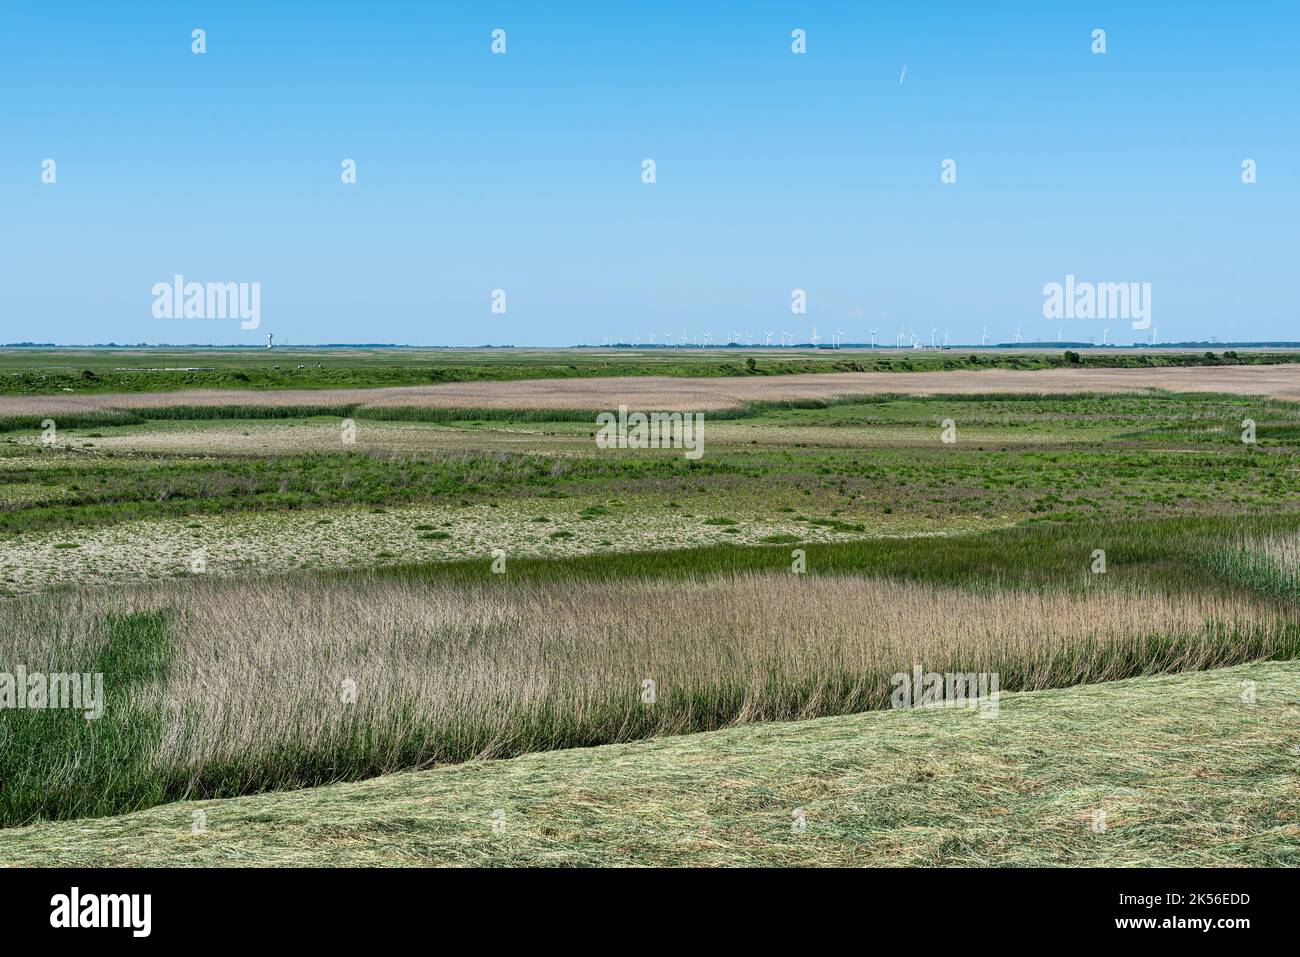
{"type": "Point", "coordinates": [522, 171]}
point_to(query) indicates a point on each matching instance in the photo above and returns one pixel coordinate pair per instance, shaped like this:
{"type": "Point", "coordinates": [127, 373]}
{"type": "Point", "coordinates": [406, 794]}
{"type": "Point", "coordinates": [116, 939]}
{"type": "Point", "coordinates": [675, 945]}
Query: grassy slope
{"type": "Point", "coordinates": [1187, 773]}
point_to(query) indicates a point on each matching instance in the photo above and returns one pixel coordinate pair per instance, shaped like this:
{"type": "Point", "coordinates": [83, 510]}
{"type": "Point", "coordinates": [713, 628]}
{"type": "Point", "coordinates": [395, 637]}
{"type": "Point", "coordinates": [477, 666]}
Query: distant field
{"type": "Point", "coordinates": [590, 395]}
{"type": "Point", "coordinates": [124, 370]}
{"type": "Point", "coordinates": [1164, 771]}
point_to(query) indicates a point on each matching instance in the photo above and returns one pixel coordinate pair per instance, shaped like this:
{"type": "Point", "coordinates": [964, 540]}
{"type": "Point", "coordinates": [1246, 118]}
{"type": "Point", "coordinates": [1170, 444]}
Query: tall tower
{"type": "Point", "coordinates": [269, 338]}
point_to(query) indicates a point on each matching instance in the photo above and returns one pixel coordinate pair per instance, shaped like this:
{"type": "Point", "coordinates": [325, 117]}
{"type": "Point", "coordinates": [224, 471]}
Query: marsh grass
{"type": "Point", "coordinates": [1269, 565]}
{"type": "Point", "coordinates": [254, 696]}
{"type": "Point", "coordinates": [55, 763]}
{"type": "Point", "coordinates": [1153, 553]}
{"type": "Point", "coordinates": [73, 420]}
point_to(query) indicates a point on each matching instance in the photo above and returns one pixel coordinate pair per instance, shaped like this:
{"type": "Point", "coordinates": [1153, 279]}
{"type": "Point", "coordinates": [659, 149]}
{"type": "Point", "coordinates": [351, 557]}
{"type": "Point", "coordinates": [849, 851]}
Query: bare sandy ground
{"type": "Point", "coordinates": [702, 394]}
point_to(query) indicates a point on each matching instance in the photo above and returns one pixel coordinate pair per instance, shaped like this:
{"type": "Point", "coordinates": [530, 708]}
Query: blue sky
{"type": "Point", "coordinates": [775, 171]}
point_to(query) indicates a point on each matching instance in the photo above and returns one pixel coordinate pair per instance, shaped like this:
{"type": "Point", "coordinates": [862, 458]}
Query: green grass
{"type": "Point", "coordinates": [1186, 773]}
{"type": "Point", "coordinates": [57, 764]}
{"type": "Point", "coordinates": [1271, 567]}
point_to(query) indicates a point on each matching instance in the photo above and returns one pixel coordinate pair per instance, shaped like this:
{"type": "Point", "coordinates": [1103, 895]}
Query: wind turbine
{"type": "Point", "coordinates": [1155, 330]}
{"type": "Point", "coordinates": [873, 339]}
{"type": "Point", "coordinates": [933, 330]}
{"type": "Point", "coordinates": [1058, 333]}
{"type": "Point", "coordinates": [839, 335]}
{"type": "Point", "coordinates": [1104, 334]}
{"type": "Point", "coordinates": [814, 339]}
{"type": "Point", "coordinates": [945, 338]}
{"type": "Point", "coordinates": [1019, 337]}
{"type": "Point", "coordinates": [984, 336]}
{"type": "Point", "coordinates": [767, 338]}
{"type": "Point", "coordinates": [900, 337]}
{"type": "Point", "coordinates": [683, 337]}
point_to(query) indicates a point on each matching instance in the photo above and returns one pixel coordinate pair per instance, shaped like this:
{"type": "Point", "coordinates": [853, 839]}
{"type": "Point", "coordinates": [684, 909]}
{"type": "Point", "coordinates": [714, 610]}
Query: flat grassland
{"type": "Point", "coordinates": [289, 588]}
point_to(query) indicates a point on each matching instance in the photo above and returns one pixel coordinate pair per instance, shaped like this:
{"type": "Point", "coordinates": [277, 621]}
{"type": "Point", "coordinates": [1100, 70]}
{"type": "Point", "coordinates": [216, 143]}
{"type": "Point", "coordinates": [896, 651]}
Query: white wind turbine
{"type": "Point", "coordinates": [1019, 337]}
{"type": "Point", "coordinates": [900, 337]}
{"type": "Point", "coordinates": [1104, 334]}
{"type": "Point", "coordinates": [945, 338]}
{"type": "Point", "coordinates": [815, 338]}
{"type": "Point", "coordinates": [933, 330]}
{"type": "Point", "coordinates": [984, 336]}
{"type": "Point", "coordinates": [839, 335]}
{"type": "Point", "coordinates": [873, 339]}
{"type": "Point", "coordinates": [1155, 331]}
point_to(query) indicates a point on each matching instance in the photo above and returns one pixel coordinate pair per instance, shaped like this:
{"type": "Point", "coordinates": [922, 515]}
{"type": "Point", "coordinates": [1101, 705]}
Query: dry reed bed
{"type": "Point", "coordinates": [260, 673]}
{"type": "Point", "coordinates": [698, 394]}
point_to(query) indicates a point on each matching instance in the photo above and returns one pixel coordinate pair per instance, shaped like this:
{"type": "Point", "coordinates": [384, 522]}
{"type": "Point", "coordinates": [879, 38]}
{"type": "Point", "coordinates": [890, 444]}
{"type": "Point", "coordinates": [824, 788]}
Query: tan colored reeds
{"type": "Point", "coordinates": [262, 672]}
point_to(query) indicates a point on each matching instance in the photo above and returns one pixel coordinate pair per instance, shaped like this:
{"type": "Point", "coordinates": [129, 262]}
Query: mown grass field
{"type": "Point", "coordinates": [284, 597]}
